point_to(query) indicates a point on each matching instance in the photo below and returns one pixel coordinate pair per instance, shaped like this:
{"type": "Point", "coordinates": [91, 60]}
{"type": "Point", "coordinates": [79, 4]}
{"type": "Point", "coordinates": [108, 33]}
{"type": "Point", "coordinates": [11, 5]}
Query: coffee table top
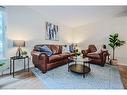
{"type": "Point", "coordinates": [80, 59]}
{"type": "Point", "coordinates": [79, 68]}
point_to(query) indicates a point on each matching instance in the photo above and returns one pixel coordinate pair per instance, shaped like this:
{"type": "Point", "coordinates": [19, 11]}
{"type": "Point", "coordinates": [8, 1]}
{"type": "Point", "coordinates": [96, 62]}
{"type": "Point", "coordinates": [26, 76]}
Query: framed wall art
{"type": "Point", "coordinates": [51, 32]}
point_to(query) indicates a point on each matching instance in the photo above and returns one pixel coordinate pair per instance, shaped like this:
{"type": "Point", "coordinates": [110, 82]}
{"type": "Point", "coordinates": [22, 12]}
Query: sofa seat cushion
{"type": "Point", "coordinates": [64, 55]}
{"type": "Point", "coordinates": [54, 58]}
{"type": "Point", "coordinates": [72, 54]}
{"type": "Point", "coordinates": [93, 55]}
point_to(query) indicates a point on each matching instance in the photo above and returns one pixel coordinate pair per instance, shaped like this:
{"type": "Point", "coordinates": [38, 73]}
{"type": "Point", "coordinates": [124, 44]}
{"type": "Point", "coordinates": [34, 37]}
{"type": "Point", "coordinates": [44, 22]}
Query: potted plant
{"type": "Point", "coordinates": [24, 53]}
{"type": "Point", "coordinates": [77, 54]}
{"type": "Point", "coordinates": [114, 43]}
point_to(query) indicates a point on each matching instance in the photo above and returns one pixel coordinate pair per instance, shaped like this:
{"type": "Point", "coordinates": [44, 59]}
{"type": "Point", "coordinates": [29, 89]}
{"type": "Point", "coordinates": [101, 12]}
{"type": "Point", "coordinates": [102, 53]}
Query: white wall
{"type": "Point", "coordinates": [26, 24]}
{"type": "Point", "coordinates": [98, 33]}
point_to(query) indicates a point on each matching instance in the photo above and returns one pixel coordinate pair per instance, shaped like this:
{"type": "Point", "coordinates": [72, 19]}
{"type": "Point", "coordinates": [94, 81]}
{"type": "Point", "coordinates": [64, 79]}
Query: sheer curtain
{"type": "Point", "coordinates": [2, 32]}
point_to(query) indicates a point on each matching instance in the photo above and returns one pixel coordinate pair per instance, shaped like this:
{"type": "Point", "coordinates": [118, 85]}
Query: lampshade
{"type": "Point", "coordinates": [18, 43]}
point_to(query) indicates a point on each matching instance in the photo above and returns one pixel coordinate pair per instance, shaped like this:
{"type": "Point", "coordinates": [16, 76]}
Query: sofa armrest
{"type": "Point", "coordinates": [40, 60]}
{"type": "Point", "coordinates": [104, 55]}
{"type": "Point", "coordinates": [39, 54]}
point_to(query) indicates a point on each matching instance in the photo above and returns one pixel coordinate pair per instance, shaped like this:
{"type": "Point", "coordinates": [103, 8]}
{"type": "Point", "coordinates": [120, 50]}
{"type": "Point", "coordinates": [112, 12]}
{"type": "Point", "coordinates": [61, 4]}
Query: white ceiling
{"type": "Point", "coordinates": [74, 16]}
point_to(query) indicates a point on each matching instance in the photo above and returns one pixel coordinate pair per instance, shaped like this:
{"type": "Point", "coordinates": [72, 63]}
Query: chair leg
{"type": "Point", "coordinates": [102, 64]}
{"type": "Point", "coordinates": [2, 74]}
{"type": "Point", "coordinates": [43, 72]}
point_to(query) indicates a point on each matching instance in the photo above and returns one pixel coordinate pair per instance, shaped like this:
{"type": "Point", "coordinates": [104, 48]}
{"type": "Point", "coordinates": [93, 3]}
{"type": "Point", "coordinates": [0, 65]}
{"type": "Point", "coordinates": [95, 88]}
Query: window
{"type": "Point", "coordinates": [1, 32]}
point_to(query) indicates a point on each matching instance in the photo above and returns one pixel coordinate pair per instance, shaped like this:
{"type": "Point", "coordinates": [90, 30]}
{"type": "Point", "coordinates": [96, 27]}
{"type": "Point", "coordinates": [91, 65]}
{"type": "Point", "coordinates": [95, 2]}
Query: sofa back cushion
{"type": "Point", "coordinates": [92, 48]}
{"type": "Point", "coordinates": [56, 49]}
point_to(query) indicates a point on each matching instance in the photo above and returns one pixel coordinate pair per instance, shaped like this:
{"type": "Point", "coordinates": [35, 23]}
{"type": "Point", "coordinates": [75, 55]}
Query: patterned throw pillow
{"type": "Point", "coordinates": [65, 48]}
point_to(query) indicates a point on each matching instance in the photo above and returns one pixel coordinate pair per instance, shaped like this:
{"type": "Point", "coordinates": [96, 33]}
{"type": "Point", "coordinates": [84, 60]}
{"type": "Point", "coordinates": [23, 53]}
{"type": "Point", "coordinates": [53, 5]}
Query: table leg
{"type": "Point", "coordinates": [89, 64]}
{"type": "Point", "coordinates": [13, 69]}
{"type": "Point", "coordinates": [10, 66]}
{"type": "Point", "coordinates": [75, 62]}
{"type": "Point", "coordinates": [28, 64]}
{"type": "Point", "coordinates": [24, 64]}
{"type": "Point", "coordinates": [83, 70]}
{"type": "Point", "coordinates": [68, 66]}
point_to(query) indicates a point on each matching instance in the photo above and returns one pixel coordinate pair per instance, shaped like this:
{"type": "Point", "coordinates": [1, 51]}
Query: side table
{"type": "Point", "coordinates": [12, 63]}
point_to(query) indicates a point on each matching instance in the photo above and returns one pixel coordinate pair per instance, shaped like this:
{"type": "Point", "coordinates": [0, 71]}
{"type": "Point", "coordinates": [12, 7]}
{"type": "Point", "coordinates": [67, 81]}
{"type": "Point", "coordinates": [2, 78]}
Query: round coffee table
{"type": "Point", "coordinates": [79, 68]}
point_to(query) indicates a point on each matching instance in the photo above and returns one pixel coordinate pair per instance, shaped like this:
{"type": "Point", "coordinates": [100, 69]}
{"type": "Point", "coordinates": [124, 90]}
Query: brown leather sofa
{"type": "Point", "coordinates": [96, 58]}
{"type": "Point", "coordinates": [44, 62]}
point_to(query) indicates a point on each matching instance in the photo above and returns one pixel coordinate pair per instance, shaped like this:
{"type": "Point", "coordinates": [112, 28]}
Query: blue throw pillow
{"type": "Point", "coordinates": [71, 48]}
{"type": "Point", "coordinates": [46, 50]}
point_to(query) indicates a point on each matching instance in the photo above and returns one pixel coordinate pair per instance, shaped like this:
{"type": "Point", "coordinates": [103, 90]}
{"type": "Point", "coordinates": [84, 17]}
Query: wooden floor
{"type": "Point", "coordinates": [26, 80]}
{"type": "Point", "coordinates": [123, 73]}
{"type": "Point", "coordinates": [22, 80]}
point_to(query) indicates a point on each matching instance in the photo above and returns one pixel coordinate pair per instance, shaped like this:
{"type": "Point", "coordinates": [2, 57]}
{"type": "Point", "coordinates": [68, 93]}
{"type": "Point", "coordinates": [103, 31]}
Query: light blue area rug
{"type": "Point", "coordinates": [107, 77]}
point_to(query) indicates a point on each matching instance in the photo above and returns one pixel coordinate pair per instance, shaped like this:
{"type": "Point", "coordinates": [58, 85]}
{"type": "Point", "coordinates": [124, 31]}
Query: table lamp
{"type": "Point", "coordinates": [19, 44]}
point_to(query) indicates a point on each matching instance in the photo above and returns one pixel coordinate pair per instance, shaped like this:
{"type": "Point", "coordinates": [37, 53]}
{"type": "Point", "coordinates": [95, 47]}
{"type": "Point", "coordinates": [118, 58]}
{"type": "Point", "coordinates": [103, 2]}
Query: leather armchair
{"type": "Point", "coordinates": [98, 58]}
{"type": "Point", "coordinates": [91, 48]}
